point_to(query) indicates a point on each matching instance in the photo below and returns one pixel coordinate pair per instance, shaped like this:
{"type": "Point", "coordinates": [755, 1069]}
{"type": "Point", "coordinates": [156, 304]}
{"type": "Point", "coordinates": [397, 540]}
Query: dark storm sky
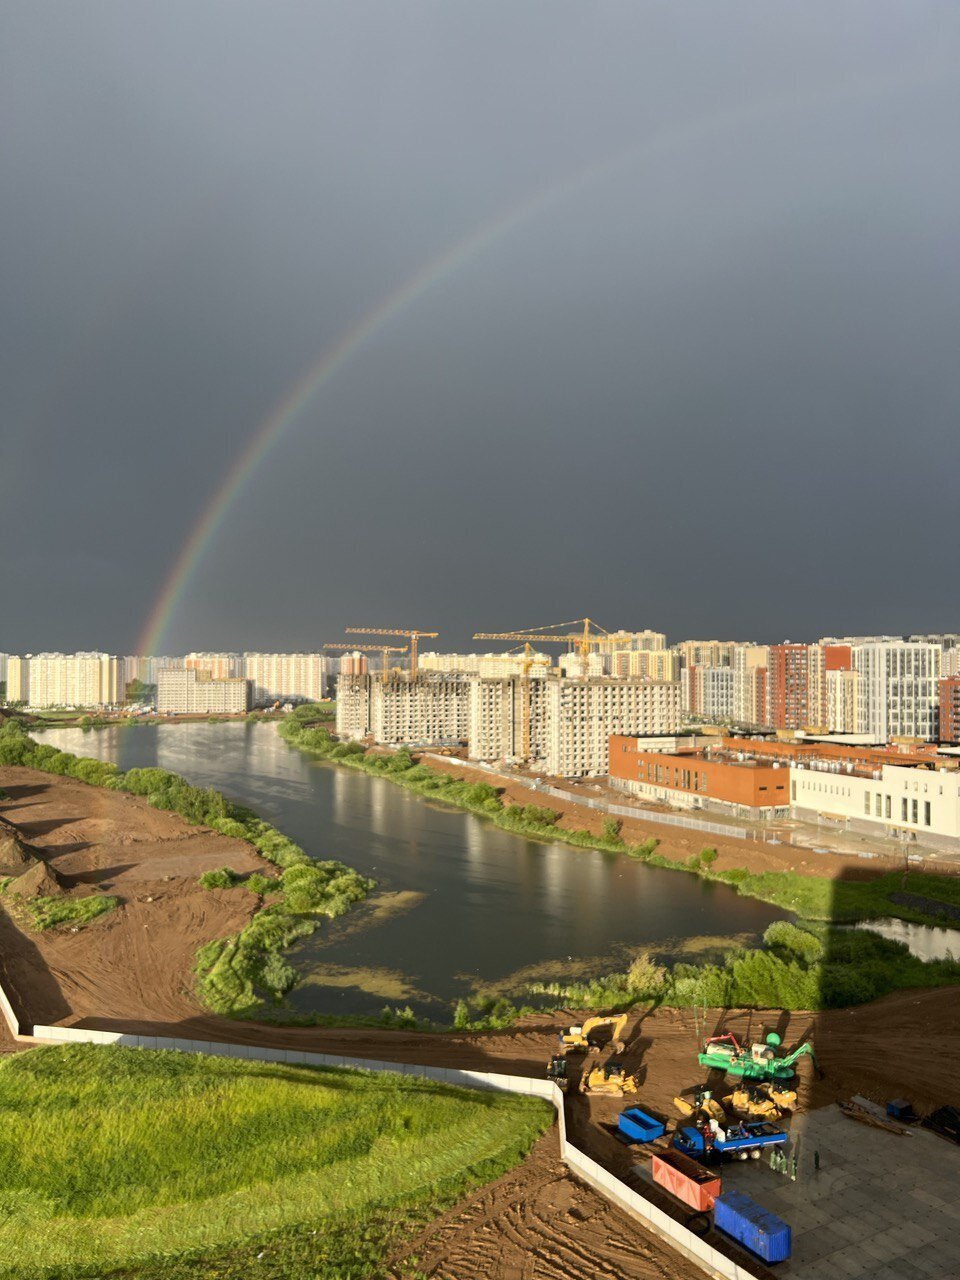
{"type": "Point", "coordinates": [712, 389]}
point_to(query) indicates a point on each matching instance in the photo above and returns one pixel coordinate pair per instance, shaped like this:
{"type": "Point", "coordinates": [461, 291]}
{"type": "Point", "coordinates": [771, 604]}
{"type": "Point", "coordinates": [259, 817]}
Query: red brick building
{"type": "Point", "coordinates": [721, 777]}
{"type": "Point", "coordinates": [950, 710]}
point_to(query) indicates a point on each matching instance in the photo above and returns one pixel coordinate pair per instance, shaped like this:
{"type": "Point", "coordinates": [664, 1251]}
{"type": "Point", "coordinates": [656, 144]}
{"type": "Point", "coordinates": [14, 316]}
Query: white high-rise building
{"type": "Point", "coordinates": [65, 679]}
{"type": "Point", "coordinates": [750, 665]}
{"type": "Point", "coordinates": [275, 676]}
{"type": "Point", "coordinates": [183, 691]}
{"type": "Point", "coordinates": [220, 665]}
{"type": "Point", "coordinates": [897, 693]}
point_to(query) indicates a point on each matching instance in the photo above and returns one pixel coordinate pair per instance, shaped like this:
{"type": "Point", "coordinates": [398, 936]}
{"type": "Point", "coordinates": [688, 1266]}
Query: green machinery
{"type": "Point", "coordinates": [757, 1062]}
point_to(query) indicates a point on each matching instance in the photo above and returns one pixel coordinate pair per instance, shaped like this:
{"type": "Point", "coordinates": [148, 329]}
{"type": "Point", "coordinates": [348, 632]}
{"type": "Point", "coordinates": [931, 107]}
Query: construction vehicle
{"type": "Point", "coordinates": [581, 1039]}
{"type": "Point", "coordinates": [701, 1107]}
{"type": "Point", "coordinates": [382, 649]}
{"type": "Point", "coordinates": [736, 1141]}
{"type": "Point", "coordinates": [611, 1078]}
{"type": "Point", "coordinates": [413, 636]}
{"type": "Point", "coordinates": [760, 1061]}
{"type": "Point", "coordinates": [763, 1101]}
{"type": "Point", "coordinates": [557, 1071]}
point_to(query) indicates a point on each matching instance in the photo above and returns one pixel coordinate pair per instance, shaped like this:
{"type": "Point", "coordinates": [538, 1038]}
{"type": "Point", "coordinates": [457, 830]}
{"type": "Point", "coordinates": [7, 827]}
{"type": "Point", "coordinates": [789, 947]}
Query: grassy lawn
{"type": "Point", "coordinates": [151, 1163]}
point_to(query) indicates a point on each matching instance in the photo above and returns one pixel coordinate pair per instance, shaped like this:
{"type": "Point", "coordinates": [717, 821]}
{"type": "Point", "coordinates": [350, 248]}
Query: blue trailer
{"type": "Point", "coordinates": [637, 1126]}
{"type": "Point", "coordinates": [756, 1228]}
{"type": "Point", "coordinates": [741, 1141]}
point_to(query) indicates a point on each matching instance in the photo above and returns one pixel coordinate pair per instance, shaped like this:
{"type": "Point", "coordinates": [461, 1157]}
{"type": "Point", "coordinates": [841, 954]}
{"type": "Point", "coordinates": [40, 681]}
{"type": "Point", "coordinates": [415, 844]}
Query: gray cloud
{"type": "Point", "coordinates": [712, 389]}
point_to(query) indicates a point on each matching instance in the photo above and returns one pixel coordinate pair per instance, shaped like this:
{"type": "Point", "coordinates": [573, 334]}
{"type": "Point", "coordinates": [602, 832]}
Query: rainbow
{"type": "Point", "coordinates": [271, 430]}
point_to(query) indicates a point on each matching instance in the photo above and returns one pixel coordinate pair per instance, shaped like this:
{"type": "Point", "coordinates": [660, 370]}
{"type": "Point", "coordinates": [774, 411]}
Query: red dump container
{"type": "Point", "coordinates": [688, 1181]}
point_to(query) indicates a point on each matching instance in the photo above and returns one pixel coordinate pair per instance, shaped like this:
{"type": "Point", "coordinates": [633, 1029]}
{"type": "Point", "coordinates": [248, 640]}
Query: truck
{"type": "Point", "coordinates": [740, 1141]}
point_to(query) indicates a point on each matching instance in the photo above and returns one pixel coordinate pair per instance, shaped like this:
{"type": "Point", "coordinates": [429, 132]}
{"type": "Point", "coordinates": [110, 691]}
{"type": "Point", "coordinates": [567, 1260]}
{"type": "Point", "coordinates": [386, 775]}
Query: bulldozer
{"type": "Point", "coordinates": [764, 1101]}
{"type": "Point", "coordinates": [701, 1107]}
{"type": "Point", "coordinates": [760, 1061]}
{"type": "Point", "coordinates": [611, 1078]}
{"type": "Point", "coordinates": [581, 1039]}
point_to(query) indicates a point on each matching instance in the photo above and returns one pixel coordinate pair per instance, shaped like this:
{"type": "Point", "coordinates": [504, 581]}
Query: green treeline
{"type": "Point", "coordinates": [238, 974]}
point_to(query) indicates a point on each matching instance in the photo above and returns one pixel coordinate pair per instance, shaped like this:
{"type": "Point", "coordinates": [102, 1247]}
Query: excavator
{"type": "Point", "coordinates": [761, 1101]}
{"type": "Point", "coordinates": [759, 1061]}
{"type": "Point", "coordinates": [581, 1039]}
{"type": "Point", "coordinates": [611, 1078]}
{"type": "Point", "coordinates": [701, 1108]}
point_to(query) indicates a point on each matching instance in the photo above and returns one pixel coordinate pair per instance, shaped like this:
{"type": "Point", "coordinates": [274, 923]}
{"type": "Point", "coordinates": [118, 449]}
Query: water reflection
{"type": "Point", "coordinates": [925, 941]}
{"type": "Point", "coordinates": [491, 902]}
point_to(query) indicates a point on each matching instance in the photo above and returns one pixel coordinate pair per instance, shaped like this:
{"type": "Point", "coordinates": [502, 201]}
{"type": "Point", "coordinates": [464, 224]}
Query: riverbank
{"type": "Point", "coordinates": [236, 973]}
{"type": "Point", "coordinates": [813, 887]}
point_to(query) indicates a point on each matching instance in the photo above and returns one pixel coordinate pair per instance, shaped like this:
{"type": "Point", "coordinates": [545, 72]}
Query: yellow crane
{"type": "Point", "coordinates": [544, 635]}
{"type": "Point", "coordinates": [382, 649]}
{"type": "Point", "coordinates": [413, 636]}
{"type": "Point", "coordinates": [582, 642]}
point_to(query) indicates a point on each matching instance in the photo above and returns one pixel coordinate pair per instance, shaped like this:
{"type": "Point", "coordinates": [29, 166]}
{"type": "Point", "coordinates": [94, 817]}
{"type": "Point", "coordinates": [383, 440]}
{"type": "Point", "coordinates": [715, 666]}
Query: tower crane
{"type": "Point", "coordinates": [545, 635]}
{"type": "Point", "coordinates": [413, 636]}
{"type": "Point", "coordinates": [382, 649]}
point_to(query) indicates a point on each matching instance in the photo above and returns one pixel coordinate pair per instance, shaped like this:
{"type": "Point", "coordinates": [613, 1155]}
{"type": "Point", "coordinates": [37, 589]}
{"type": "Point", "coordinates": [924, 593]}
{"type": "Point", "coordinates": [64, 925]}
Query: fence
{"type": "Point", "coordinates": [616, 810]}
{"type": "Point", "coordinates": [710, 1260]}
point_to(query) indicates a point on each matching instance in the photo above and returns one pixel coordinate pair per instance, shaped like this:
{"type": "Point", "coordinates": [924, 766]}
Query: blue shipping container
{"type": "Point", "coordinates": [638, 1126]}
{"type": "Point", "coordinates": [756, 1228]}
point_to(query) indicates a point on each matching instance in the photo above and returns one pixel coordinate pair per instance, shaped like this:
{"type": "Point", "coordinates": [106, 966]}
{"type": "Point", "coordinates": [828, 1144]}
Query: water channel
{"type": "Point", "coordinates": [462, 908]}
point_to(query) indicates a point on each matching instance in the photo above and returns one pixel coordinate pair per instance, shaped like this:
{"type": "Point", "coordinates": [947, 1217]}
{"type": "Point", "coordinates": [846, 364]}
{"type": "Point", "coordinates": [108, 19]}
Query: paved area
{"type": "Point", "coordinates": [881, 1207]}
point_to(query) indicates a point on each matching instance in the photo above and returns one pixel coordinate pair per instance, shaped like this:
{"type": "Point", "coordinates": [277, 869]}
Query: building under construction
{"type": "Point", "coordinates": [558, 725]}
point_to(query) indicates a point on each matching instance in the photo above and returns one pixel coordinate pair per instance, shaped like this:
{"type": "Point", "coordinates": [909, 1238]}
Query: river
{"type": "Point", "coordinates": [462, 908]}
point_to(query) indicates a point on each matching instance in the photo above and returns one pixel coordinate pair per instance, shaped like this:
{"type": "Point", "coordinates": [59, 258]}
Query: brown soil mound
{"type": "Point", "coordinates": [40, 881]}
{"type": "Point", "coordinates": [15, 855]}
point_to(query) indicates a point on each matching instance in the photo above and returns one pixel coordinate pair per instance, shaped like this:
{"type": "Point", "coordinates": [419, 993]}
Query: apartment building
{"type": "Point", "coordinates": [707, 653]}
{"type": "Point", "coordinates": [750, 666]}
{"type": "Point", "coordinates": [275, 676]}
{"type": "Point", "coordinates": [432, 708]}
{"type": "Point", "coordinates": [897, 693]}
{"type": "Point", "coordinates": [65, 680]}
{"type": "Point", "coordinates": [354, 664]}
{"type": "Point", "coordinates": [651, 664]}
{"type": "Point", "coordinates": [488, 665]}
{"type": "Point", "coordinates": [796, 685]}
{"type": "Point", "coordinates": [192, 691]}
{"type": "Point", "coordinates": [561, 725]}
{"type": "Point", "coordinates": [708, 692]}
{"type": "Point", "coordinates": [222, 666]}
{"type": "Point", "coordinates": [842, 699]}
{"type": "Point", "coordinates": [949, 696]}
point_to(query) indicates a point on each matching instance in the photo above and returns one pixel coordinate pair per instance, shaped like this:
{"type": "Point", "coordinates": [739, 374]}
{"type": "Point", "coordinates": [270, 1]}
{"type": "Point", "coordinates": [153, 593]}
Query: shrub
{"type": "Point", "coordinates": [223, 878]}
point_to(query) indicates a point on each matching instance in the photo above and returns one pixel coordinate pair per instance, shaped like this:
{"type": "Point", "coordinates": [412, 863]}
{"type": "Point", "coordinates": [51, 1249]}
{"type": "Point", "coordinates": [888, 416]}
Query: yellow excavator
{"type": "Point", "coordinates": [761, 1101]}
{"type": "Point", "coordinates": [611, 1078]}
{"type": "Point", "coordinates": [581, 1039]}
{"type": "Point", "coordinates": [702, 1106]}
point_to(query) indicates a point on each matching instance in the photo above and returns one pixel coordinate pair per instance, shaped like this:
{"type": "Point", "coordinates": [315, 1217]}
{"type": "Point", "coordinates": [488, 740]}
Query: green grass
{"type": "Point", "coordinates": [47, 913]}
{"type": "Point", "coordinates": [123, 1158]}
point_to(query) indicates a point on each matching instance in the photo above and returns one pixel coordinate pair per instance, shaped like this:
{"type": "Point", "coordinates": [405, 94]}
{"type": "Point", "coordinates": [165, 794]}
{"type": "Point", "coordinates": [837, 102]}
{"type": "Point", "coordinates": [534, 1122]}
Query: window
{"type": "Point", "coordinates": [879, 803]}
{"type": "Point", "coordinates": [889, 804]}
{"type": "Point", "coordinates": [926, 813]}
{"type": "Point", "coordinates": [903, 808]}
{"type": "Point", "coordinates": [913, 811]}
{"type": "Point", "coordinates": [866, 803]}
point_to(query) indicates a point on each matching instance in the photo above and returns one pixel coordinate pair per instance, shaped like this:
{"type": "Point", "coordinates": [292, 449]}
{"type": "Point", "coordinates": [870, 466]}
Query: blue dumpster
{"type": "Point", "coordinates": [756, 1228]}
{"type": "Point", "coordinates": [638, 1126]}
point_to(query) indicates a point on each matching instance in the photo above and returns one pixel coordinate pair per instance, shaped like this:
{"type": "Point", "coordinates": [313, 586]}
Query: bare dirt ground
{"type": "Point", "coordinates": [132, 968]}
